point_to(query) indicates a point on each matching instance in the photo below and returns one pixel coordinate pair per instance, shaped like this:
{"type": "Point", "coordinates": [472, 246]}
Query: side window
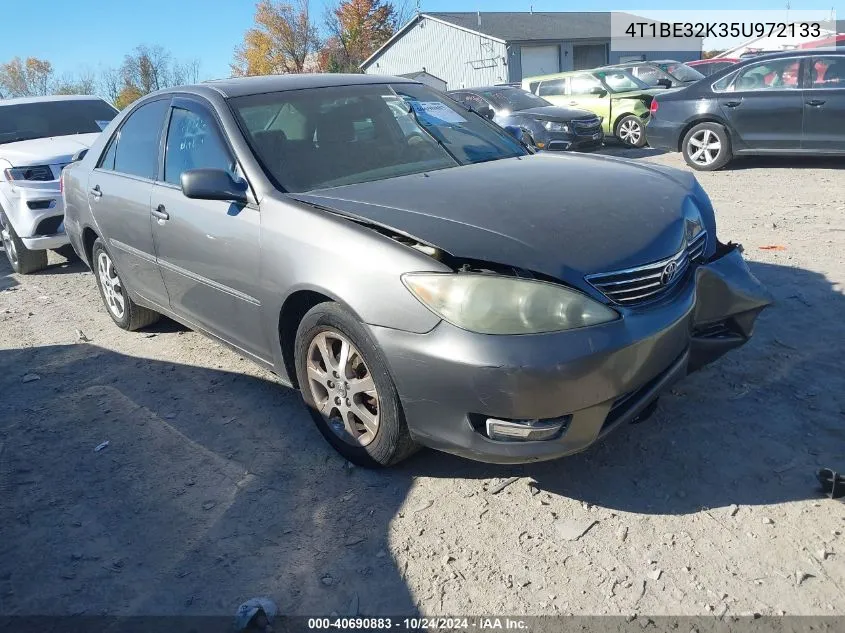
{"type": "Point", "coordinates": [107, 160]}
{"type": "Point", "coordinates": [532, 86]}
{"type": "Point", "coordinates": [137, 147]}
{"type": "Point", "coordinates": [193, 142]}
{"type": "Point", "coordinates": [583, 84]}
{"type": "Point", "coordinates": [778, 74]}
{"type": "Point", "coordinates": [827, 72]}
{"type": "Point", "coordinates": [552, 88]}
{"type": "Point", "coordinates": [648, 74]}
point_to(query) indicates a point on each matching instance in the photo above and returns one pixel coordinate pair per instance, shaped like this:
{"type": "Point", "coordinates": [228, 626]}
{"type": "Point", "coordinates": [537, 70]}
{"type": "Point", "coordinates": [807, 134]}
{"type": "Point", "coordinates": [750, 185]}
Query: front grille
{"type": "Point", "coordinates": [584, 125]}
{"type": "Point", "coordinates": [647, 283]}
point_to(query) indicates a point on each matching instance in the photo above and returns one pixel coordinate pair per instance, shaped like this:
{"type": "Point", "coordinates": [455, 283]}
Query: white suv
{"type": "Point", "coordinates": [38, 137]}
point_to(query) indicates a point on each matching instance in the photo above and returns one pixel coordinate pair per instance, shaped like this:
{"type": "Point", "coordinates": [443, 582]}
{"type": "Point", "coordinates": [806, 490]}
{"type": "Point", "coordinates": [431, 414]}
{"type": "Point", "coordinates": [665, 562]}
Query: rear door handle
{"type": "Point", "coordinates": [815, 102]}
{"type": "Point", "coordinates": [95, 191]}
{"type": "Point", "coordinates": [732, 104]}
{"type": "Point", "coordinates": [160, 213]}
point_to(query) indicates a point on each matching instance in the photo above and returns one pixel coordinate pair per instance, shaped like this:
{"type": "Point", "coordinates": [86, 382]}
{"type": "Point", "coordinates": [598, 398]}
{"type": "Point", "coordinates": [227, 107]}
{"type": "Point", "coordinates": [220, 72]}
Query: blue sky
{"type": "Point", "coordinates": [94, 34]}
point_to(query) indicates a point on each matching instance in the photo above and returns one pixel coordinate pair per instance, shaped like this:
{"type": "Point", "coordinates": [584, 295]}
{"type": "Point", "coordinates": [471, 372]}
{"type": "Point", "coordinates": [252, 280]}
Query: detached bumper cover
{"type": "Point", "coordinates": [450, 380]}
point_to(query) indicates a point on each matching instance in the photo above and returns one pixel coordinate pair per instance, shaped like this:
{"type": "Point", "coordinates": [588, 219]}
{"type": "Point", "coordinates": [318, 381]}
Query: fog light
{"type": "Point", "coordinates": [525, 430]}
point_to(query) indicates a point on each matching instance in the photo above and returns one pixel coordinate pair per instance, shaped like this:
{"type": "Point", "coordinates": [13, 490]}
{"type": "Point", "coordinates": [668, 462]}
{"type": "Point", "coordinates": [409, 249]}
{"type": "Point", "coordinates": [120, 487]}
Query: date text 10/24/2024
{"type": "Point", "coordinates": [420, 624]}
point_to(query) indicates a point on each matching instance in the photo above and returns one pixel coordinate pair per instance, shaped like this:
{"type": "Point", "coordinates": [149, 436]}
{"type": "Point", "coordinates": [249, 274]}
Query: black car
{"type": "Point", "coordinates": [662, 73]}
{"type": "Point", "coordinates": [550, 127]}
{"type": "Point", "coordinates": [783, 103]}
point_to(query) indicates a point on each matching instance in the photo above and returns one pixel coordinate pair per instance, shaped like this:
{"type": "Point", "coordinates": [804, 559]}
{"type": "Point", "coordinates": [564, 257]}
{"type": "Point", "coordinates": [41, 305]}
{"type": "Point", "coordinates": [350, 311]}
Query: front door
{"type": "Point", "coordinates": [119, 191]}
{"type": "Point", "coordinates": [586, 91]}
{"type": "Point", "coordinates": [208, 250]}
{"type": "Point", "coordinates": [824, 104]}
{"type": "Point", "coordinates": [764, 105]}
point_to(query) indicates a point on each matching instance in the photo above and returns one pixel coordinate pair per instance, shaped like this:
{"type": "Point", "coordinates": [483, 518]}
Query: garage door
{"type": "Point", "coordinates": [540, 60]}
{"type": "Point", "coordinates": [586, 56]}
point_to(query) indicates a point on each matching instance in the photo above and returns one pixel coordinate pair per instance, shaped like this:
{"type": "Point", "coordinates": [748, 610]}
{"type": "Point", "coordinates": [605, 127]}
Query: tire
{"type": "Point", "coordinates": [131, 316]}
{"type": "Point", "coordinates": [67, 252]}
{"type": "Point", "coordinates": [631, 131]}
{"type": "Point", "coordinates": [22, 260]}
{"type": "Point", "coordinates": [384, 443]}
{"type": "Point", "coordinates": [705, 133]}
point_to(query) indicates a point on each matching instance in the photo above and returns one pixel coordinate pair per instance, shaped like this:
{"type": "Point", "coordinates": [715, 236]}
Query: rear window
{"type": "Point", "coordinates": [25, 121]}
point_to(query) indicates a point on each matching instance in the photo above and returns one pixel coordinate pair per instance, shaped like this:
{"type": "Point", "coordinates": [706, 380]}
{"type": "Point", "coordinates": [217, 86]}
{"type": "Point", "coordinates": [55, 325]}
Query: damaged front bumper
{"type": "Point", "coordinates": [36, 212]}
{"type": "Point", "coordinates": [587, 382]}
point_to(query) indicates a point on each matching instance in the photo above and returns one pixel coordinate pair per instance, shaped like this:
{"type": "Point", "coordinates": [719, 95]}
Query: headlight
{"type": "Point", "coordinates": [555, 126]}
{"type": "Point", "coordinates": [490, 304]}
{"type": "Point", "coordinates": [35, 172]}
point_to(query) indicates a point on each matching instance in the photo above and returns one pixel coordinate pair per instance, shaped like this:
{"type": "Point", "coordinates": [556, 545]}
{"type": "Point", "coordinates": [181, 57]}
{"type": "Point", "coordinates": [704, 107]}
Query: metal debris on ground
{"type": "Point", "coordinates": [30, 378]}
{"type": "Point", "coordinates": [833, 484]}
{"type": "Point", "coordinates": [772, 247]}
{"type": "Point", "coordinates": [256, 614]}
{"type": "Point", "coordinates": [503, 485]}
{"type": "Point", "coordinates": [101, 446]}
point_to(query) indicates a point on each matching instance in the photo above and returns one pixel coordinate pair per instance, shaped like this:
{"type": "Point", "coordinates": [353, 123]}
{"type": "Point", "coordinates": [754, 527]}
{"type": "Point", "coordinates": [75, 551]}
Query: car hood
{"type": "Point", "coordinates": [560, 215]}
{"type": "Point", "coordinates": [555, 113]}
{"type": "Point", "coordinates": [53, 150]}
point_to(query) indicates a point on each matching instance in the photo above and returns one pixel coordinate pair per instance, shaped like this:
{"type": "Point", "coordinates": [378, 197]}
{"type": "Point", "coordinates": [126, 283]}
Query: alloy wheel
{"type": "Point", "coordinates": [9, 247]}
{"type": "Point", "coordinates": [112, 287]}
{"type": "Point", "coordinates": [342, 387]}
{"type": "Point", "coordinates": [704, 147]}
{"type": "Point", "coordinates": [630, 132]}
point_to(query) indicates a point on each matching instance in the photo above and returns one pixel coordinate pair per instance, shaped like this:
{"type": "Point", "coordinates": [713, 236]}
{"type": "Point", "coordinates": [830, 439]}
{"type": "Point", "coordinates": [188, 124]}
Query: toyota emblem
{"type": "Point", "coordinates": [669, 273]}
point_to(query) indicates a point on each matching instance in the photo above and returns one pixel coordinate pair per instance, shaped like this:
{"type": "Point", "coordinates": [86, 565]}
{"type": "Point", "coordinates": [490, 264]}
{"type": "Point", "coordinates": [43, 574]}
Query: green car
{"type": "Point", "coordinates": [613, 93]}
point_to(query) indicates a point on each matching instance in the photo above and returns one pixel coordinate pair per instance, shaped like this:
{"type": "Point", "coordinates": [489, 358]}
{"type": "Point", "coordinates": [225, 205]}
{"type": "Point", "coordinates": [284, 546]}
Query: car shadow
{"type": "Point", "coordinates": [6, 279]}
{"type": "Point", "coordinates": [615, 148]}
{"type": "Point", "coordinates": [740, 163]}
{"type": "Point", "coordinates": [751, 429]}
{"type": "Point", "coordinates": [215, 486]}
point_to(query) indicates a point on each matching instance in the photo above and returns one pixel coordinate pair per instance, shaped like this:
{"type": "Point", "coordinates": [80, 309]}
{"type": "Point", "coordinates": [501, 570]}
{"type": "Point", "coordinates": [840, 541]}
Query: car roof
{"type": "Point", "coordinates": [481, 88]}
{"type": "Point", "coordinates": [48, 99]}
{"type": "Point", "coordinates": [243, 86]}
{"type": "Point", "coordinates": [796, 52]}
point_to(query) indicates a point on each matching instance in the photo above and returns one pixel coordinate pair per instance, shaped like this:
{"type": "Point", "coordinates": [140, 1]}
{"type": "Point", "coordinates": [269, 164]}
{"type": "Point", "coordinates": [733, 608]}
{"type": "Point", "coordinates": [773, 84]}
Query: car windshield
{"type": "Point", "coordinates": [513, 99]}
{"type": "Point", "coordinates": [329, 137]}
{"type": "Point", "coordinates": [26, 121]}
{"type": "Point", "coordinates": [681, 72]}
{"type": "Point", "coordinates": [618, 80]}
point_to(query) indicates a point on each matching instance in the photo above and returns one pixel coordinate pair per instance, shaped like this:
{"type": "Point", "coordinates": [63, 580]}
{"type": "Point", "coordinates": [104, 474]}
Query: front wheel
{"type": "Point", "coordinates": [630, 131]}
{"type": "Point", "coordinates": [706, 147]}
{"type": "Point", "coordinates": [23, 260]}
{"type": "Point", "coordinates": [346, 386]}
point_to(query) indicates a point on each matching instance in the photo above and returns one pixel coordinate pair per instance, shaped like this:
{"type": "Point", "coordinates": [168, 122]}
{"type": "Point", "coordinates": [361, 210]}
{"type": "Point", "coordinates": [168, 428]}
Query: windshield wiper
{"type": "Point", "coordinates": [420, 124]}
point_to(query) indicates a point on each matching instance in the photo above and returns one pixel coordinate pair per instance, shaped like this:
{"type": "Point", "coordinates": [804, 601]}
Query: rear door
{"type": "Point", "coordinates": [119, 190]}
{"type": "Point", "coordinates": [824, 104]}
{"type": "Point", "coordinates": [208, 250]}
{"type": "Point", "coordinates": [763, 103]}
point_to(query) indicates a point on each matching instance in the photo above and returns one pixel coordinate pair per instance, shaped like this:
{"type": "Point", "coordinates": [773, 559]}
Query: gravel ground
{"type": "Point", "coordinates": [215, 486]}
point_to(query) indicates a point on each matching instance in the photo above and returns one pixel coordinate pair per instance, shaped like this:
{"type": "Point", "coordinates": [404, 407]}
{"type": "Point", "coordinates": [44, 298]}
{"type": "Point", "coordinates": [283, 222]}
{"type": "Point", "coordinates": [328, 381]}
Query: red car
{"type": "Point", "coordinates": [709, 66]}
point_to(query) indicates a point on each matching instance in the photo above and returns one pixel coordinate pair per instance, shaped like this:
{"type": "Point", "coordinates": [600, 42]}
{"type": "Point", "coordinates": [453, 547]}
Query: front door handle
{"type": "Point", "coordinates": [733, 104]}
{"type": "Point", "coordinates": [95, 191]}
{"type": "Point", "coordinates": [160, 213]}
{"type": "Point", "coordinates": [815, 102]}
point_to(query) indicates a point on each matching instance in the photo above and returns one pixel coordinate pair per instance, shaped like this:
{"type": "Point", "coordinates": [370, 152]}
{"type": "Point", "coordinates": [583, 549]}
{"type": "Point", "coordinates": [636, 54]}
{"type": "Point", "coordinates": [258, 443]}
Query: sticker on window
{"type": "Point", "coordinates": [102, 124]}
{"type": "Point", "coordinates": [436, 112]}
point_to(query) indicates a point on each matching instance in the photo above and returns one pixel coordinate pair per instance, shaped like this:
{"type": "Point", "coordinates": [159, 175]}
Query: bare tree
{"type": "Point", "coordinates": [30, 78]}
{"type": "Point", "coordinates": [283, 40]}
{"type": "Point", "coordinates": [82, 83]}
{"type": "Point", "coordinates": [147, 68]}
{"type": "Point", "coordinates": [187, 72]}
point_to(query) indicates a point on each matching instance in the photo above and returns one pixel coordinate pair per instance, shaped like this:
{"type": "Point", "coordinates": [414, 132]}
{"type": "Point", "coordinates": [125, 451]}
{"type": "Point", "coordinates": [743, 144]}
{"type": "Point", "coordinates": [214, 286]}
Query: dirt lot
{"type": "Point", "coordinates": [216, 487]}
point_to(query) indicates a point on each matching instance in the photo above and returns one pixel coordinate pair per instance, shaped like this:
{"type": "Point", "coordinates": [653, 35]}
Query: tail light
{"type": "Point", "coordinates": [653, 107]}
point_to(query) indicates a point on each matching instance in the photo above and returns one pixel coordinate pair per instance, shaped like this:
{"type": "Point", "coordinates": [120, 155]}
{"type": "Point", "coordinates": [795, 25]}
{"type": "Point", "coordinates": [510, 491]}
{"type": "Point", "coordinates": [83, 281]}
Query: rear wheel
{"type": "Point", "coordinates": [706, 147]}
{"type": "Point", "coordinates": [23, 260]}
{"type": "Point", "coordinates": [127, 314]}
{"type": "Point", "coordinates": [349, 393]}
{"type": "Point", "coordinates": [630, 131]}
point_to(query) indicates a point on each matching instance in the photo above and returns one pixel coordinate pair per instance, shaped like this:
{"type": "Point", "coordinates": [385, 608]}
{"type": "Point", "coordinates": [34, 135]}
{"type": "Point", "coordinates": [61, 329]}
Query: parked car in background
{"type": "Point", "coordinates": [38, 137]}
{"type": "Point", "coordinates": [657, 74]}
{"type": "Point", "coordinates": [783, 103]}
{"type": "Point", "coordinates": [550, 127]}
{"type": "Point", "coordinates": [711, 66]}
{"type": "Point", "coordinates": [438, 284]}
{"type": "Point", "coordinates": [619, 98]}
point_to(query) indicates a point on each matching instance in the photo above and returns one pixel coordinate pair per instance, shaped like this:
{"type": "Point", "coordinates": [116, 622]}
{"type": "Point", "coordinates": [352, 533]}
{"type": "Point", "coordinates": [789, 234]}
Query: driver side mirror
{"type": "Point", "coordinates": [486, 112]}
{"type": "Point", "coordinates": [598, 91]}
{"type": "Point", "coordinates": [664, 83]}
{"type": "Point", "coordinates": [213, 184]}
{"type": "Point", "coordinates": [520, 135]}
